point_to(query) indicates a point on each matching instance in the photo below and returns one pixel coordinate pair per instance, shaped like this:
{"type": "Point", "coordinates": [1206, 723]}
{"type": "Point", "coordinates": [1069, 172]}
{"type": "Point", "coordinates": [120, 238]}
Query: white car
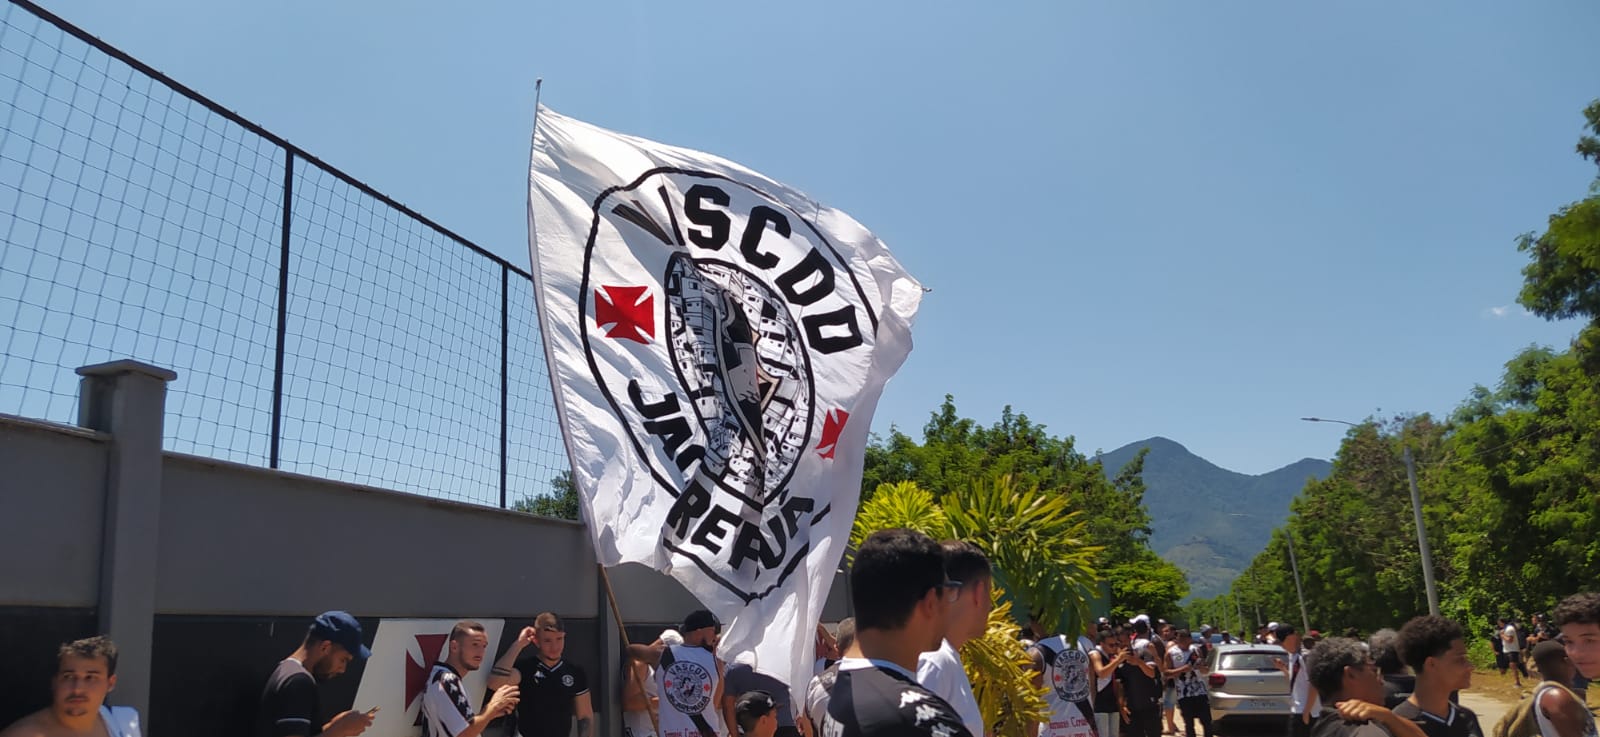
{"type": "Point", "coordinates": [1244, 683]}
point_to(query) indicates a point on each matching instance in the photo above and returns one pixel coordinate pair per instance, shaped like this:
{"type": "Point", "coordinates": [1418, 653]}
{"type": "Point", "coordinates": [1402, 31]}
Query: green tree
{"type": "Point", "coordinates": [958, 453]}
{"type": "Point", "coordinates": [1034, 541]}
{"type": "Point", "coordinates": [560, 502]}
{"type": "Point", "coordinates": [1562, 278]}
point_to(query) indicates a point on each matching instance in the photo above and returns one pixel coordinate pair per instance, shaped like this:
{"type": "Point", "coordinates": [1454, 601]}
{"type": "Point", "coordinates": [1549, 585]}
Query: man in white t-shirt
{"type": "Point", "coordinates": [1511, 644]}
{"type": "Point", "coordinates": [1304, 703]}
{"type": "Point", "coordinates": [940, 671]}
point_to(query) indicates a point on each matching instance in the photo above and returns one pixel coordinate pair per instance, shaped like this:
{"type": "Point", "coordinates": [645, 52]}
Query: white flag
{"type": "Point", "coordinates": [718, 342]}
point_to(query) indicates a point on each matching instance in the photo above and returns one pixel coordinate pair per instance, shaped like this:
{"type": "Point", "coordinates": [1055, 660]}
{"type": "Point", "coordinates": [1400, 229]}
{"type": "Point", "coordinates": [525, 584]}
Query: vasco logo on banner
{"type": "Point", "coordinates": [1071, 677]}
{"type": "Point", "coordinates": [727, 334]}
{"type": "Point", "coordinates": [687, 687]}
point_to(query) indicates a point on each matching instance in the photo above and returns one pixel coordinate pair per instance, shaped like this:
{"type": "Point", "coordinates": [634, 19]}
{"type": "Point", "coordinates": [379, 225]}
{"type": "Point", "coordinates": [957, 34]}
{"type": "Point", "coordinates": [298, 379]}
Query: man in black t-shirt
{"type": "Point", "coordinates": [901, 596]}
{"type": "Point", "coordinates": [1140, 677]}
{"type": "Point", "coordinates": [289, 700]}
{"type": "Point", "coordinates": [1347, 681]}
{"type": "Point", "coordinates": [1436, 650]}
{"type": "Point", "coordinates": [553, 690]}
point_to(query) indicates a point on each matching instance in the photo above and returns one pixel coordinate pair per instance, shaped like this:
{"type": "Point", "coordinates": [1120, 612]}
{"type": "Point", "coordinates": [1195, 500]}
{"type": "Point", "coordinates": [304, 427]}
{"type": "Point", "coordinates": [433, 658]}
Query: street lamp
{"type": "Point", "coordinates": [1416, 510]}
{"type": "Point", "coordinates": [1299, 591]}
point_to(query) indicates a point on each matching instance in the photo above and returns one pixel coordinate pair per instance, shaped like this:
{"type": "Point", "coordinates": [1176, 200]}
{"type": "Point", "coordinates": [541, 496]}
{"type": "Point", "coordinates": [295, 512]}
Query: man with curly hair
{"type": "Point", "coordinates": [1436, 650]}
{"type": "Point", "coordinates": [1351, 694]}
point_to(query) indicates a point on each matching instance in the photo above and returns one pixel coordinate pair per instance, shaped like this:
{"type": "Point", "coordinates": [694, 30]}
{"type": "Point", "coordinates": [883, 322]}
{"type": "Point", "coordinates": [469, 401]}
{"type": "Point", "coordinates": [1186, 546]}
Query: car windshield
{"type": "Point", "coordinates": [1250, 661]}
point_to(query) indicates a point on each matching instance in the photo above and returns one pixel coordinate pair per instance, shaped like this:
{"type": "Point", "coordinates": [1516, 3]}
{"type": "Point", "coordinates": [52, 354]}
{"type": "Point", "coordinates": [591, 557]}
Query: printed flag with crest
{"type": "Point", "coordinates": [717, 343]}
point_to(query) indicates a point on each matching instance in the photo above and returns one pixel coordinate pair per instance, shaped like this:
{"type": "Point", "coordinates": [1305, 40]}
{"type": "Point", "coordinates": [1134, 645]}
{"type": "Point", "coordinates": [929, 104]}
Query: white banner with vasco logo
{"type": "Point", "coordinates": [718, 342]}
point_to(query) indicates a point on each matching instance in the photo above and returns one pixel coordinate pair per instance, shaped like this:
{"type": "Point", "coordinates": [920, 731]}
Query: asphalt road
{"type": "Point", "coordinates": [1488, 710]}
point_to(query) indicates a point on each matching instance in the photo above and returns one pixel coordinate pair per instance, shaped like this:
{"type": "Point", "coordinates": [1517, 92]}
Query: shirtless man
{"type": "Point", "coordinates": [86, 670]}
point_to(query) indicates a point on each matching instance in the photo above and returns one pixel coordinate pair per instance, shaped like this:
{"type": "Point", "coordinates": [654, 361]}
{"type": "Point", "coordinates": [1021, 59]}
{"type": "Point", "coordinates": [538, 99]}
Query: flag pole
{"type": "Point", "coordinates": [605, 579]}
{"type": "Point", "coordinates": [622, 631]}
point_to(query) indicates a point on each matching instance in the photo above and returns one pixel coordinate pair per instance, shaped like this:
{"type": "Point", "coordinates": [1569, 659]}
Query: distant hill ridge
{"type": "Point", "coordinates": [1207, 520]}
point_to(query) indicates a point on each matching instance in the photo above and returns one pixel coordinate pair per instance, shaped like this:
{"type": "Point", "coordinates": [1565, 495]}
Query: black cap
{"type": "Point", "coordinates": [753, 705]}
{"type": "Point", "coordinates": [341, 629]}
{"type": "Point", "coordinates": [700, 619]}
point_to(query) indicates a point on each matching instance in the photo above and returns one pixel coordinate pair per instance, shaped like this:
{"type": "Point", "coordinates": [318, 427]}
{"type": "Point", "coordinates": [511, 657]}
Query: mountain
{"type": "Point", "coordinates": [1205, 519]}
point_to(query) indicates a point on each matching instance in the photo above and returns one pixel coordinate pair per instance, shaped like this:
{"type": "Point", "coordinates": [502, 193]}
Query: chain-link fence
{"type": "Point", "coordinates": [316, 325]}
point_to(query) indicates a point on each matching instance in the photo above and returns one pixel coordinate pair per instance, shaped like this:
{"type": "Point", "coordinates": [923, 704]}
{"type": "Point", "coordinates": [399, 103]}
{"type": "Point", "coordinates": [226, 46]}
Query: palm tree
{"type": "Point", "coordinates": [1041, 564]}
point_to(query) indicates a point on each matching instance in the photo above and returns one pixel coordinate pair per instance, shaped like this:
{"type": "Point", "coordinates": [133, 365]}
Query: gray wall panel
{"type": "Point", "coordinates": [52, 502]}
{"type": "Point", "coordinates": [241, 540]}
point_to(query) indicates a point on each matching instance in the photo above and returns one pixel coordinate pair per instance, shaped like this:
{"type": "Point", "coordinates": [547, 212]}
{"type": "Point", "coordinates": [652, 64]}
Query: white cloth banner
{"type": "Point", "coordinates": [717, 342]}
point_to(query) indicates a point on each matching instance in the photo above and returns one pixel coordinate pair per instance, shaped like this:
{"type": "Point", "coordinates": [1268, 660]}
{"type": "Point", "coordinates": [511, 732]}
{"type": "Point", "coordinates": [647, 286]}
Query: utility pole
{"type": "Point", "coordinates": [1300, 593]}
{"type": "Point", "coordinates": [1416, 511]}
{"type": "Point", "coordinates": [1255, 586]}
{"type": "Point", "coordinates": [1422, 537]}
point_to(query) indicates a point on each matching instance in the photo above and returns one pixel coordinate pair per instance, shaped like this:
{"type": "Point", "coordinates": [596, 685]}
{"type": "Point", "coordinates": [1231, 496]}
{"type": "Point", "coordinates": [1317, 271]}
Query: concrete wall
{"type": "Point", "coordinates": [377, 553]}
{"type": "Point", "coordinates": [52, 493]}
{"type": "Point", "coordinates": [240, 558]}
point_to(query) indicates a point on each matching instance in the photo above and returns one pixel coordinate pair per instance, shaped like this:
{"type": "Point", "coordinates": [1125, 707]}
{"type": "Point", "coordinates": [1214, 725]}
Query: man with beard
{"type": "Point", "coordinates": [86, 670]}
{"type": "Point", "coordinates": [289, 701]}
{"type": "Point", "coordinates": [689, 678]}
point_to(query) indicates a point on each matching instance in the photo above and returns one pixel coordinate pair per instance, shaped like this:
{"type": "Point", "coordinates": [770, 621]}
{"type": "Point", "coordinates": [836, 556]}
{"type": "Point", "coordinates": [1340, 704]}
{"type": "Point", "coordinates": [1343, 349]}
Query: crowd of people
{"type": "Point", "coordinates": [895, 670]}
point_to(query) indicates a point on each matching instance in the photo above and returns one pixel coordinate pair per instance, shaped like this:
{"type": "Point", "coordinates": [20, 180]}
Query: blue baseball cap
{"type": "Point", "coordinates": [343, 630]}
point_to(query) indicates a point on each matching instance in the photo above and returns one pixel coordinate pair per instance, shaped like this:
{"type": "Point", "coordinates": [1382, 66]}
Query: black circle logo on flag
{"type": "Point", "coordinates": [730, 338]}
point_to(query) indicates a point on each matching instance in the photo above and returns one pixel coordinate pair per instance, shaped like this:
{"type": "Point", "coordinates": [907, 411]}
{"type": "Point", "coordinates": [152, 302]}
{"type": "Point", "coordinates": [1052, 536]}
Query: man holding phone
{"type": "Point", "coordinates": [289, 701]}
{"type": "Point", "coordinates": [446, 710]}
{"type": "Point", "coordinates": [1104, 660]}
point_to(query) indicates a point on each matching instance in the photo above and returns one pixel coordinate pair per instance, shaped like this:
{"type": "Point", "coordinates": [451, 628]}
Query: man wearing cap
{"type": "Point", "coordinates": [289, 701]}
{"type": "Point", "coordinates": [756, 713]}
{"type": "Point", "coordinates": [688, 678]}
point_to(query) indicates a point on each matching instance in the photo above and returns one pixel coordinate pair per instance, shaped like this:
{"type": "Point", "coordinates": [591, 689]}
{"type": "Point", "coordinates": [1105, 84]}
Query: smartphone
{"type": "Point", "coordinates": [372, 711]}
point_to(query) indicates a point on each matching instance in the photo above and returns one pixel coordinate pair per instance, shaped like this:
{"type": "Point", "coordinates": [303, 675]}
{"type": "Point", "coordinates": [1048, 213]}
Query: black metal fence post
{"type": "Point", "coordinates": [505, 371]}
{"type": "Point", "coordinates": [283, 311]}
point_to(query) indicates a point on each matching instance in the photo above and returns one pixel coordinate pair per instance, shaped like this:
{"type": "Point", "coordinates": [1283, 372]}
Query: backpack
{"type": "Point", "coordinates": [1522, 720]}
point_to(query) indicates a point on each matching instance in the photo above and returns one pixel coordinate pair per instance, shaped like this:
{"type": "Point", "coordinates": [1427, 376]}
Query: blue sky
{"type": "Point", "coordinates": [1196, 220]}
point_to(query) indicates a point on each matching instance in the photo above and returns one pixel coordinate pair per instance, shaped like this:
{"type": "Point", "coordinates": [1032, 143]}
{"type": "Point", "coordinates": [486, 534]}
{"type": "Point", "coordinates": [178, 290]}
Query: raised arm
{"type": "Point", "coordinates": [648, 654]}
{"type": "Point", "coordinates": [502, 673]}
